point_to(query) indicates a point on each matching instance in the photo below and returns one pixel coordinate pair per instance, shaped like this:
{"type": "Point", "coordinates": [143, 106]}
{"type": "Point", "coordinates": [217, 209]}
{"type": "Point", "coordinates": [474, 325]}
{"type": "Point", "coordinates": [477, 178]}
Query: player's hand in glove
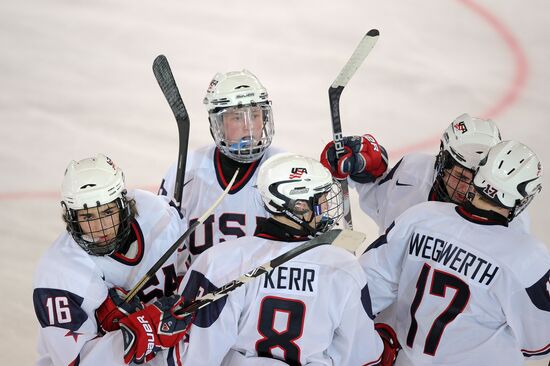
{"type": "Point", "coordinates": [114, 308]}
{"type": "Point", "coordinates": [391, 344]}
{"type": "Point", "coordinates": [363, 160]}
{"type": "Point", "coordinates": [154, 328]}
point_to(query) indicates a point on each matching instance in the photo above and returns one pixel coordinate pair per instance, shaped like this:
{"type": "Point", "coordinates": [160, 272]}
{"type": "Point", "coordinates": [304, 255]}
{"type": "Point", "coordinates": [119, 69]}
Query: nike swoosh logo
{"type": "Point", "coordinates": [184, 184]}
{"type": "Point", "coordinates": [402, 184]}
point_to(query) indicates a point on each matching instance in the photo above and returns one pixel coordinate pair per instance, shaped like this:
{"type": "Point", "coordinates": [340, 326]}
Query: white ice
{"type": "Point", "coordinates": [75, 79]}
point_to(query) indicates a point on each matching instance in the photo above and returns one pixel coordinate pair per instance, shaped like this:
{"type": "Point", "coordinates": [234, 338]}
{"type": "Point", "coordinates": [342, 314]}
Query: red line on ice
{"type": "Point", "coordinates": [509, 97]}
{"type": "Point", "coordinates": [511, 94]}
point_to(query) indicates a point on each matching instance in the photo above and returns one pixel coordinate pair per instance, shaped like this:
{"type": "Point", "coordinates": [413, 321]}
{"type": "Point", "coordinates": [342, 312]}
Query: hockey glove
{"type": "Point", "coordinates": [363, 160]}
{"type": "Point", "coordinates": [391, 344]}
{"type": "Point", "coordinates": [114, 308]}
{"type": "Point", "coordinates": [154, 328]}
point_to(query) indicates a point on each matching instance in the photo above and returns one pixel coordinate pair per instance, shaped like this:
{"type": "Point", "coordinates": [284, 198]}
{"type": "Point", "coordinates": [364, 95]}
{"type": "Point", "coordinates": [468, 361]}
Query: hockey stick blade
{"type": "Point", "coordinates": [361, 52]}
{"type": "Point", "coordinates": [151, 272]}
{"type": "Point", "coordinates": [349, 240]}
{"type": "Point", "coordinates": [342, 238]}
{"type": "Point", "coordinates": [334, 92]}
{"type": "Point", "coordinates": [167, 83]}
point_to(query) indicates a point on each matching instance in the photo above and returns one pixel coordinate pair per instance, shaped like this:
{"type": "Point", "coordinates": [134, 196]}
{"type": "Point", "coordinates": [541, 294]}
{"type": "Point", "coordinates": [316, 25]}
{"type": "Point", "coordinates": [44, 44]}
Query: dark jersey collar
{"type": "Point", "coordinates": [275, 230]}
{"type": "Point", "coordinates": [479, 216]}
{"type": "Point", "coordinates": [136, 236]}
{"type": "Point", "coordinates": [226, 167]}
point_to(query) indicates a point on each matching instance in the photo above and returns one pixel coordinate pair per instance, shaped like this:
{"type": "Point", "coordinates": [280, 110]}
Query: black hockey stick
{"type": "Point", "coordinates": [151, 272]}
{"type": "Point", "coordinates": [346, 239]}
{"type": "Point", "coordinates": [167, 83]}
{"type": "Point", "coordinates": [363, 49]}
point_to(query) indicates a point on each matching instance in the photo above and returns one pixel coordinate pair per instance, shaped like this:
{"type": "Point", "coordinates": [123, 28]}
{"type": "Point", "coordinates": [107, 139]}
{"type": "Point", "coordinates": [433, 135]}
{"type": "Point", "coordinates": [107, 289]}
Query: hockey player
{"type": "Point", "coordinates": [112, 239]}
{"type": "Point", "coordinates": [299, 313]}
{"type": "Point", "coordinates": [417, 177]}
{"type": "Point", "coordinates": [241, 123]}
{"type": "Point", "coordinates": [469, 289]}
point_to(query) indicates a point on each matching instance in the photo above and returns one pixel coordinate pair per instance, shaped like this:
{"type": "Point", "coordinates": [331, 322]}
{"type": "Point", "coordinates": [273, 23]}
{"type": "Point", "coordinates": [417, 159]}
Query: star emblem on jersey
{"type": "Point", "coordinates": [75, 335]}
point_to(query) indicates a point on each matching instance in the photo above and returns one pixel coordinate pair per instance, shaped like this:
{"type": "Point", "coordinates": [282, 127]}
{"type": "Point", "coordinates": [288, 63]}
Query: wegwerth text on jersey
{"type": "Point", "coordinates": [453, 257]}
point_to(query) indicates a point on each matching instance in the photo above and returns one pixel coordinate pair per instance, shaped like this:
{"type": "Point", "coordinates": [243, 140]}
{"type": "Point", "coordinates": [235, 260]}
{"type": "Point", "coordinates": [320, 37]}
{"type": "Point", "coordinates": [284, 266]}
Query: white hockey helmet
{"type": "Point", "coordinates": [467, 140]}
{"type": "Point", "coordinates": [241, 96]}
{"type": "Point", "coordinates": [293, 185]}
{"type": "Point", "coordinates": [510, 176]}
{"type": "Point", "coordinates": [88, 184]}
{"type": "Point", "coordinates": [463, 144]}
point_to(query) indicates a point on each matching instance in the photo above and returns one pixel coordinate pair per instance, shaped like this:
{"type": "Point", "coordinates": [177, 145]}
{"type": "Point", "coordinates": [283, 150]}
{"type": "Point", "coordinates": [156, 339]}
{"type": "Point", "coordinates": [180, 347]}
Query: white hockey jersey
{"type": "Point", "coordinates": [408, 183]}
{"type": "Point", "coordinates": [314, 309]}
{"type": "Point", "coordinates": [238, 213]}
{"type": "Point", "coordinates": [69, 285]}
{"type": "Point", "coordinates": [467, 292]}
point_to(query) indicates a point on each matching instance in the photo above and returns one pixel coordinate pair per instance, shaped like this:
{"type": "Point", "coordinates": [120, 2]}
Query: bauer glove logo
{"type": "Point", "coordinates": [149, 331]}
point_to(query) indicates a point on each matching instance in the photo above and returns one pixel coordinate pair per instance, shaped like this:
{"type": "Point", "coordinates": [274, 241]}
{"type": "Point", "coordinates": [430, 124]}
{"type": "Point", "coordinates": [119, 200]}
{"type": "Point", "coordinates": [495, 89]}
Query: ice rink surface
{"type": "Point", "coordinates": [76, 79]}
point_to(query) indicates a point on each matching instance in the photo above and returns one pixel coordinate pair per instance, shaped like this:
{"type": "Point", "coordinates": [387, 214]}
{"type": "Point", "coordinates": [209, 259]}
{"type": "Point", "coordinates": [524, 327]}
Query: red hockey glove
{"type": "Point", "coordinates": [363, 160]}
{"type": "Point", "coordinates": [114, 308]}
{"type": "Point", "coordinates": [154, 328]}
{"type": "Point", "coordinates": [391, 344]}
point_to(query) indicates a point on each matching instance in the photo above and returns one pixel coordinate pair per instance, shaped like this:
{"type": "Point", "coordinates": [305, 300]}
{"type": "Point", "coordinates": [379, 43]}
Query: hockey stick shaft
{"type": "Point", "coordinates": [151, 272]}
{"type": "Point", "coordinates": [167, 83]}
{"type": "Point", "coordinates": [334, 92]}
{"type": "Point", "coordinates": [346, 239]}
